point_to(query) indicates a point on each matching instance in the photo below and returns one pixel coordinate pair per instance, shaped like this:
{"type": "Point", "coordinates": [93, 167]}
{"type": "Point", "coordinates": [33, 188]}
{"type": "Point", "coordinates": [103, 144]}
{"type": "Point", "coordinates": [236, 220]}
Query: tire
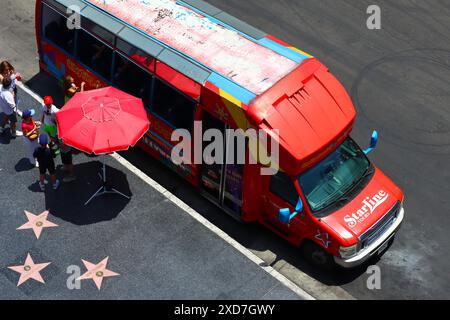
{"type": "Point", "coordinates": [317, 256]}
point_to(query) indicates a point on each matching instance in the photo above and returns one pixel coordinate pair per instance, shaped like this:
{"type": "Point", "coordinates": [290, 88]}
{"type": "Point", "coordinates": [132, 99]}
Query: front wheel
{"type": "Point", "coordinates": [317, 256]}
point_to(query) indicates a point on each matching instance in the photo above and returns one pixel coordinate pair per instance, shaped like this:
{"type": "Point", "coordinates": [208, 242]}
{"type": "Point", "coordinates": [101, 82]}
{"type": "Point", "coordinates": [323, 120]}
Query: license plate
{"type": "Point", "coordinates": [383, 247]}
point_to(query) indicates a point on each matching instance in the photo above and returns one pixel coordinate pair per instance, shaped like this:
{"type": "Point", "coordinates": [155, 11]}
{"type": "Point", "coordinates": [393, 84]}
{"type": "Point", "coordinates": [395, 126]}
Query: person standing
{"type": "Point", "coordinates": [30, 131]}
{"type": "Point", "coordinates": [8, 104]}
{"type": "Point", "coordinates": [45, 156]}
{"type": "Point", "coordinates": [7, 71]}
{"type": "Point", "coordinates": [70, 88]}
{"type": "Point", "coordinates": [67, 160]}
{"type": "Point", "coordinates": [48, 120]}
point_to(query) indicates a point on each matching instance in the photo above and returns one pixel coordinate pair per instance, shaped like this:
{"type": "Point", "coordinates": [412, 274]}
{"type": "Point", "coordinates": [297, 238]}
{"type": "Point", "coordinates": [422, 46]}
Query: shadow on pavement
{"type": "Point", "coordinates": [71, 208]}
{"type": "Point", "coordinates": [252, 235]}
{"type": "Point", "coordinates": [44, 85]}
{"type": "Point", "coordinates": [68, 201]}
{"type": "Point", "coordinates": [23, 165]}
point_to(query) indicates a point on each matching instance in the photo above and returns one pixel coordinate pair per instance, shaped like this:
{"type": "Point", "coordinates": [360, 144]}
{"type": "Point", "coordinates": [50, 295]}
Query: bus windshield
{"type": "Point", "coordinates": [331, 179]}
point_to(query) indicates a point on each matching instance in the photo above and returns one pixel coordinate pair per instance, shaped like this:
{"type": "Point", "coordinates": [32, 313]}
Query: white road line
{"type": "Point", "coordinates": [194, 214]}
{"type": "Point", "coordinates": [250, 255]}
{"type": "Point", "coordinates": [33, 94]}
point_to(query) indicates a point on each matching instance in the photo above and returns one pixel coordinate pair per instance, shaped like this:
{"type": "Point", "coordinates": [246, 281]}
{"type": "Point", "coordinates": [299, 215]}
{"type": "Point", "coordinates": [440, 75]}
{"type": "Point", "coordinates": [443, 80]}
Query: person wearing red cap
{"type": "Point", "coordinates": [49, 117]}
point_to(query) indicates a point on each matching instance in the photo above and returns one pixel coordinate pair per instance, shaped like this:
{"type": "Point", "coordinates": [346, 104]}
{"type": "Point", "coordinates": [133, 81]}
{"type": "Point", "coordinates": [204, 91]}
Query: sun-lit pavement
{"type": "Point", "coordinates": [399, 80]}
{"type": "Point", "coordinates": [143, 248]}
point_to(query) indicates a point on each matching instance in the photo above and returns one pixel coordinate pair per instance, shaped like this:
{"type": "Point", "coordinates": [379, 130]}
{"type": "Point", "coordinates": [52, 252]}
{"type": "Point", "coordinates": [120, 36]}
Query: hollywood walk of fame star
{"type": "Point", "coordinates": [37, 223]}
{"type": "Point", "coordinates": [97, 272]}
{"type": "Point", "coordinates": [323, 237]}
{"type": "Point", "coordinates": [29, 270]}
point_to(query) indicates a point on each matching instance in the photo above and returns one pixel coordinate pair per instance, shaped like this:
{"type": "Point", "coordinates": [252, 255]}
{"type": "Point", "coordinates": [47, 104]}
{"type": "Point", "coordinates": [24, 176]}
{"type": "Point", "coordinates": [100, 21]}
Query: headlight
{"type": "Point", "coordinates": [348, 252]}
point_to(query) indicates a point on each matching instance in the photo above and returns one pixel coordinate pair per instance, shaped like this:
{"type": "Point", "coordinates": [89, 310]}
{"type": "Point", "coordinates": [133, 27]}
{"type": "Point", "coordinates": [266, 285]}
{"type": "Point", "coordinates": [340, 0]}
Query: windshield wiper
{"type": "Point", "coordinates": [345, 197]}
{"type": "Point", "coordinates": [368, 172]}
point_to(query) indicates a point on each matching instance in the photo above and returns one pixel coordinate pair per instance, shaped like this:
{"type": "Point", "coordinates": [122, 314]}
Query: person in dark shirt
{"type": "Point", "coordinates": [45, 156]}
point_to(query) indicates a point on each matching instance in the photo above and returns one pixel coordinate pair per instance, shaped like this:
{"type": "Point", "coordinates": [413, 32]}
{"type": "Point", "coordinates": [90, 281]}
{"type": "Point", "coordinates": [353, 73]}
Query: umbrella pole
{"type": "Point", "coordinates": [104, 188]}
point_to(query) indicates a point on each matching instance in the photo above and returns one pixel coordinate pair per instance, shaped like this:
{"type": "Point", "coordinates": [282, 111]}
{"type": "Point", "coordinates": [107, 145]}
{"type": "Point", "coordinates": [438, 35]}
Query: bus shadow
{"type": "Point", "coordinates": [252, 236]}
{"type": "Point", "coordinates": [68, 202]}
{"type": "Point", "coordinates": [44, 85]}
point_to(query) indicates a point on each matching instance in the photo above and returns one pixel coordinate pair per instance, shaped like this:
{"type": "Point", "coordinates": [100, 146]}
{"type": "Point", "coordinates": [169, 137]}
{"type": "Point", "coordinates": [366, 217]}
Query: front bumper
{"type": "Point", "coordinates": [371, 250]}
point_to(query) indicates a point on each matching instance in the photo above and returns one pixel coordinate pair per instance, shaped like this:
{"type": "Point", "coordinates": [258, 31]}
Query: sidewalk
{"type": "Point", "coordinates": [160, 250]}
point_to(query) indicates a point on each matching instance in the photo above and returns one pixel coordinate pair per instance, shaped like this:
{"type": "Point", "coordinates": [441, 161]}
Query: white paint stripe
{"type": "Point", "coordinates": [34, 95]}
{"type": "Point", "coordinates": [250, 255]}
{"type": "Point", "coordinates": [193, 213]}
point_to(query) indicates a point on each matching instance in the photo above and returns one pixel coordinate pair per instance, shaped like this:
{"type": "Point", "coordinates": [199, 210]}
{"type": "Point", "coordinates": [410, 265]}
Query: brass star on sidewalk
{"type": "Point", "coordinates": [97, 272]}
{"type": "Point", "coordinates": [29, 270]}
{"type": "Point", "coordinates": [37, 223]}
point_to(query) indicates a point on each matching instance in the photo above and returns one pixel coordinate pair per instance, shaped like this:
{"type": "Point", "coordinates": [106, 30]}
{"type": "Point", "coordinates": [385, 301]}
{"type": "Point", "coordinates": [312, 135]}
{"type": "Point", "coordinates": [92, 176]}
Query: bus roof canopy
{"type": "Point", "coordinates": [199, 40]}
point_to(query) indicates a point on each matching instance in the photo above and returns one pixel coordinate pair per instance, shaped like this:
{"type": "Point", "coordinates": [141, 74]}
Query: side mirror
{"type": "Point", "coordinates": [285, 216]}
{"type": "Point", "coordinates": [299, 206]}
{"type": "Point", "coordinates": [373, 142]}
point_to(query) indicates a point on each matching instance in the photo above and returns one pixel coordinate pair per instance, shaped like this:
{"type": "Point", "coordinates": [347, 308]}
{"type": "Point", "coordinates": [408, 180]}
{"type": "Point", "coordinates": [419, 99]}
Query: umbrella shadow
{"type": "Point", "coordinates": [68, 202]}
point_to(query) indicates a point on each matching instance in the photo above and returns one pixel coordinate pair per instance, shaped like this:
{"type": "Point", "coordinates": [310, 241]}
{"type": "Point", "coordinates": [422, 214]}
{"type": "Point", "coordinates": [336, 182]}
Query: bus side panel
{"type": "Point", "coordinates": [162, 152]}
{"type": "Point", "coordinates": [58, 64]}
{"type": "Point", "coordinates": [232, 112]}
{"type": "Point", "coordinates": [252, 193]}
{"type": "Point", "coordinates": [159, 141]}
{"type": "Point", "coordinates": [224, 106]}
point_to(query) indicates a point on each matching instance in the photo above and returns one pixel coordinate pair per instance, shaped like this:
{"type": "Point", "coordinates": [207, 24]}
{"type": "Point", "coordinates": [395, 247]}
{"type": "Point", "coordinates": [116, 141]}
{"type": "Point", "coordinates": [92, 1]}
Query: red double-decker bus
{"type": "Point", "coordinates": [190, 61]}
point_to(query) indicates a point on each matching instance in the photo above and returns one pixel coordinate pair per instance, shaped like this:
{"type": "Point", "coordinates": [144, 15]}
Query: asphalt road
{"type": "Point", "coordinates": [399, 80]}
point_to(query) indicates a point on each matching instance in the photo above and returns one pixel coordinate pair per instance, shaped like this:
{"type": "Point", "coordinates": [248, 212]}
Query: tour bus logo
{"type": "Point", "coordinates": [213, 146]}
{"type": "Point", "coordinates": [368, 207]}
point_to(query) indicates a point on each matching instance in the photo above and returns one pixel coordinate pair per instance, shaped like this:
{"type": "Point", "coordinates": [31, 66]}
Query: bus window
{"type": "Point", "coordinates": [94, 54]}
{"type": "Point", "coordinates": [133, 79]}
{"type": "Point", "coordinates": [283, 187]}
{"type": "Point", "coordinates": [54, 29]}
{"type": "Point", "coordinates": [140, 57]}
{"type": "Point", "coordinates": [99, 31]}
{"type": "Point", "coordinates": [173, 106]}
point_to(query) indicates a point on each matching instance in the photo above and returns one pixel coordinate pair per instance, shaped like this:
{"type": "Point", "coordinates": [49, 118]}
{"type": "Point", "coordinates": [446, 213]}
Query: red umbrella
{"type": "Point", "coordinates": [102, 121]}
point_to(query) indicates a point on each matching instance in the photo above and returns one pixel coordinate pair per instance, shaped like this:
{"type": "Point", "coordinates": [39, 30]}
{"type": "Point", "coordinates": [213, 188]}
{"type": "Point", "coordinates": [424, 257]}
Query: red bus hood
{"type": "Point", "coordinates": [366, 209]}
{"type": "Point", "coordinates": [312, 111]}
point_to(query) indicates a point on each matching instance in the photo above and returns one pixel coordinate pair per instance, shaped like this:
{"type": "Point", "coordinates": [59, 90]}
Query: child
{"type": "Point", "coordinates": [48, 120]}
{"type": "Point", "coordinates": [30, 131]}
{"type": "Point", "coordinates": [45, 156]}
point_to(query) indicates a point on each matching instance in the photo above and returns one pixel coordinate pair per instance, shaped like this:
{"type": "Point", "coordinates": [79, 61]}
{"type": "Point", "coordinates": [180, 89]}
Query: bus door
{"type": "Point", "coordinates": [221, 182]}
{"type": "Point", "coordinates": [281, 194]}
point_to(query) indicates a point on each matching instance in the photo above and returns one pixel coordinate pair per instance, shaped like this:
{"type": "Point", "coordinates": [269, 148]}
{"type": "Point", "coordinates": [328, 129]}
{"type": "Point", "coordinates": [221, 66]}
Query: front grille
{"type": "Point", "coordinates": [371, 235]}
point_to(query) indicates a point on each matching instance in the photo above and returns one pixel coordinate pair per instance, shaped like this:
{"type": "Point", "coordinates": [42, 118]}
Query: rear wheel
{"type": "Point", "coordinates": [317, 256]}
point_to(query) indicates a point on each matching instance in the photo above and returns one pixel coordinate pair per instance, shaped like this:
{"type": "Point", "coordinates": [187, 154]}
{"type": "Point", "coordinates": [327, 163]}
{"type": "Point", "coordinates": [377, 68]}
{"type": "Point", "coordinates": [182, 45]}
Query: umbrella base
{"type": "Point", "coordinates": [105, 188]}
